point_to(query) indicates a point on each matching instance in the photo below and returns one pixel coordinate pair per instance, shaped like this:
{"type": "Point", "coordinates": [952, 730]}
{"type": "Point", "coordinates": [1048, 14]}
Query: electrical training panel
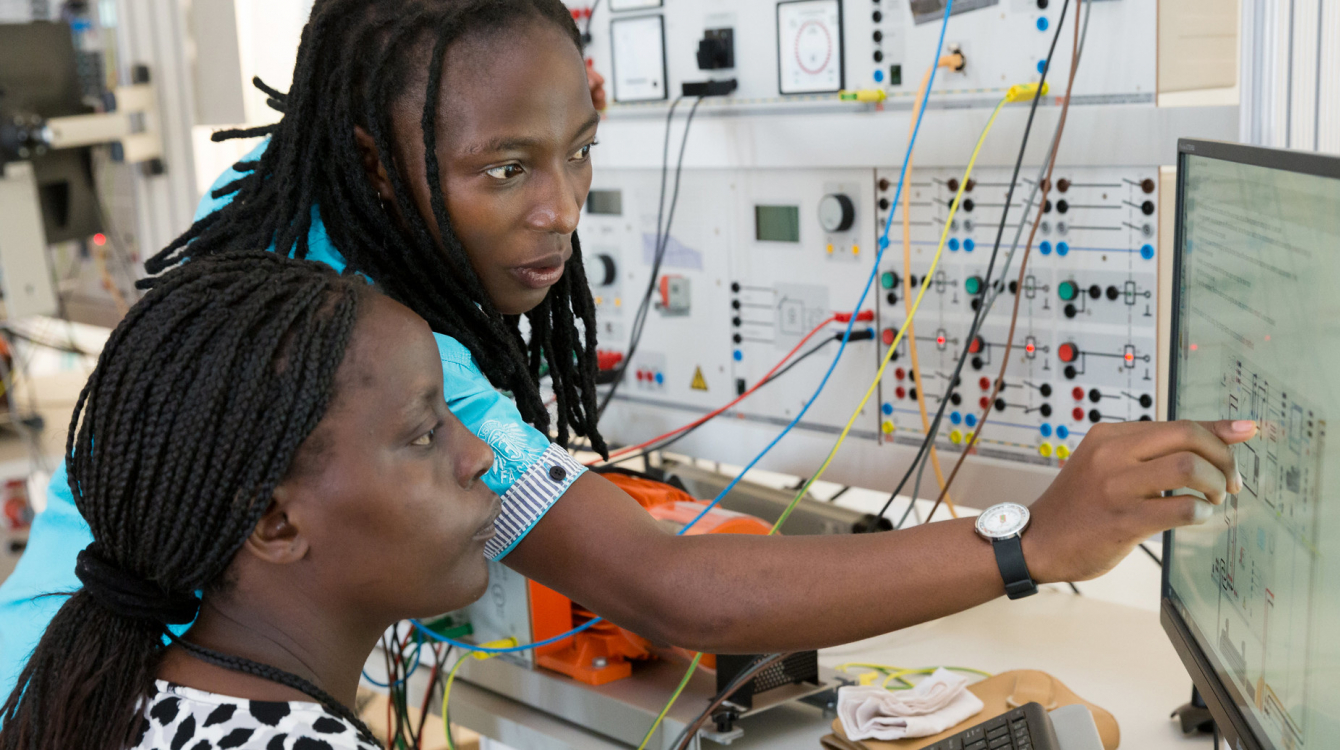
{"type": "Point", "coordinates": [786, 187]}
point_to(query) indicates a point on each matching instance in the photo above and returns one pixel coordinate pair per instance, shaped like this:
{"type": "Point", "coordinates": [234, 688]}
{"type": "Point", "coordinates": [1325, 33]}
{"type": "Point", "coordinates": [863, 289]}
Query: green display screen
{"type": "Point", "coordinates": [1259, 338]}
{"type": "Point", "coordinates": [777, 223]}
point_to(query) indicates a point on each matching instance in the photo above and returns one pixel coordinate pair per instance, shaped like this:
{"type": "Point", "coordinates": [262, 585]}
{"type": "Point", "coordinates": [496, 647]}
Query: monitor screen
{"type": "Point", "coordinates": [1257, 336]}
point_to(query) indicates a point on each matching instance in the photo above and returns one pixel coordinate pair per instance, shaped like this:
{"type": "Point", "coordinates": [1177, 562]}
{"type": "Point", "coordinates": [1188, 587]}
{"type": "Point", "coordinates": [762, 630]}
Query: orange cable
{"type": "Point", "coordinates": [948, 61]}
{"type": "Point", "coordinates": [1023, 263]}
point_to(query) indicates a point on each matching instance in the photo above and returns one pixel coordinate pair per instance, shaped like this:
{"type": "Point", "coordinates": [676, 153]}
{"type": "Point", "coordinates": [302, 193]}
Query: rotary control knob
{"type": "Point", "coordinates": [1068, 352]}
{"type": "Point", "coordinates": [603, 271]}
{"type": "Point", "coordinates": [836, 213]}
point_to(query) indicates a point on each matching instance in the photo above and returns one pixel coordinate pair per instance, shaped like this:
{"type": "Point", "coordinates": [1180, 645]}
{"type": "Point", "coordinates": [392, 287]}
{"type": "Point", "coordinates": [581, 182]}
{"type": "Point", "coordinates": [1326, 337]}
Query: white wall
{"type": "Point", "coordinates": [1291, 74]}
{"type": "Point", "coordinates": [266, 35]}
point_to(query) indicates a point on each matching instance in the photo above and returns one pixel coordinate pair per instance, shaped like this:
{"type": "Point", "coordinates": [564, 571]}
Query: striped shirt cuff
{"type": "Point", "coordinates": [530, 497]}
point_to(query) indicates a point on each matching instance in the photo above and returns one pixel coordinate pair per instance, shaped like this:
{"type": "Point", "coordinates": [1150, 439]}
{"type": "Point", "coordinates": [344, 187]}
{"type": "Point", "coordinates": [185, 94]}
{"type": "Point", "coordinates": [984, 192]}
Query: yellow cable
{"type": "Point", "coordinates": [948, 61]}
{"type": "Point", "coordinates": [693, 666]}
{"type": "Point", "coordinates": [451, 677]}
{"type": "Point", "coordinates": [1013, 95]}
{"type": "Point", "coordinates": [925, 284]}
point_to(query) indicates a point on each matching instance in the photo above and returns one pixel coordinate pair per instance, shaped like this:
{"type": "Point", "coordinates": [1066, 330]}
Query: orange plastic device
{"type": "Point", "coordinates": [604, 652]}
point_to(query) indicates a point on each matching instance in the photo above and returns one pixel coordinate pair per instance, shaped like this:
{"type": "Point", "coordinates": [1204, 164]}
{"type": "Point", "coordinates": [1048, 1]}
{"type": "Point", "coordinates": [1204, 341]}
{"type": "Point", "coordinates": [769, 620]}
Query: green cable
{"type": "Point", "coordinates": [693, 667]}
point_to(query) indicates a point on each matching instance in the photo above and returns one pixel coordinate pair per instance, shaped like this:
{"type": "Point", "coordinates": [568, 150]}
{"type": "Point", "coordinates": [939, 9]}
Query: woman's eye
{"type": "Point", "coordinates": [504, 172]}
{"type": "Point", "coordinates": [424, 439]}
{"type": "Point", "coordinates": [584, 151]}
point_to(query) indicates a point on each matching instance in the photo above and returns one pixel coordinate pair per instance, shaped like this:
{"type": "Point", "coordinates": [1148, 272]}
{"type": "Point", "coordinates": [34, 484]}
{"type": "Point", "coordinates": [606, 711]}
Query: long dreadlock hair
{"type": "Point", "coordinates": [200, 402]}
{"type": "Point", "coordinates": [312, 164]}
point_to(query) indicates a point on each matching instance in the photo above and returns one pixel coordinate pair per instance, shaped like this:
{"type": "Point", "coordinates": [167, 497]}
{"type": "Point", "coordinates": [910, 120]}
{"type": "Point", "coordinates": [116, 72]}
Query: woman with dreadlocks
{"type": "Point", "coordinates": [272, 434]}
{"type": "Point", "coordinates": [442, 149]}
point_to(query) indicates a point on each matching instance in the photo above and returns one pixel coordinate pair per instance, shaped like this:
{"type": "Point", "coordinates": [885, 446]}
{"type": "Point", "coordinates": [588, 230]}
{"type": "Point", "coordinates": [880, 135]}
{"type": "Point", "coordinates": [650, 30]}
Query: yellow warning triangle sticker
{"type": "Point", "coordinates": [699, 382]}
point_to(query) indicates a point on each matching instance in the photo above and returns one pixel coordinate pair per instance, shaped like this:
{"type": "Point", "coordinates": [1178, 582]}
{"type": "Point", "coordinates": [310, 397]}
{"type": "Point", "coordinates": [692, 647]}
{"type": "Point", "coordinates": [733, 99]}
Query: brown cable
{"type": "Point", "coordinates": [1023, 268]}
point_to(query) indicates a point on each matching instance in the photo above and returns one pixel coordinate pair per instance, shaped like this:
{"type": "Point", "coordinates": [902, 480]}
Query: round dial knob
{"type": "Point", "coordinates": [603, 271]}
{"type": "Point", "coordinates": [836, 212]}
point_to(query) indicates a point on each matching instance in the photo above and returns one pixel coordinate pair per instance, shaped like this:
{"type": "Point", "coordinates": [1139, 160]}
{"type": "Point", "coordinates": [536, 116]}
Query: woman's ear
{"type": "Point", "coordinates": [370, 158]}
{"type": "Point", "coordinates": [276, 538]}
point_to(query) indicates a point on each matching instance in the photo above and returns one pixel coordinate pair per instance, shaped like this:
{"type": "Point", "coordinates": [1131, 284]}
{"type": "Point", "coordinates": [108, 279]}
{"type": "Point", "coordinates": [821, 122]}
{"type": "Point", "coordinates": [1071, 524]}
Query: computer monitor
{"type": "Point", "coordinates": [1251, 599]}
{"type": "Point", "coordinates": [39, 75]}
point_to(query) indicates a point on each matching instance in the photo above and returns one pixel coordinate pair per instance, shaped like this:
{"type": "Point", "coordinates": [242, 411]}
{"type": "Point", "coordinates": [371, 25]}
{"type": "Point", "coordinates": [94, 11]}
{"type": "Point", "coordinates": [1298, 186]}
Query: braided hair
{"type": "Point", "coordinates": [312, 164]}
{"type": "Point", "coordinates": [201, 399]}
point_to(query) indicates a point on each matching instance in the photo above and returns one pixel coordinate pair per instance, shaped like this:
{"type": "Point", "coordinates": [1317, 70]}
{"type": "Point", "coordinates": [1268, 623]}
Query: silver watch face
{"type": "Point", "coordinates": [1002, 521]}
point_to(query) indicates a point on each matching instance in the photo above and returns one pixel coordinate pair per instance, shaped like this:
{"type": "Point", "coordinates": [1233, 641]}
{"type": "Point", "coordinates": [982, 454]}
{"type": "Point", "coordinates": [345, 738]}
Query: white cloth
{"type": "Point", "coordinates": [934, 705]}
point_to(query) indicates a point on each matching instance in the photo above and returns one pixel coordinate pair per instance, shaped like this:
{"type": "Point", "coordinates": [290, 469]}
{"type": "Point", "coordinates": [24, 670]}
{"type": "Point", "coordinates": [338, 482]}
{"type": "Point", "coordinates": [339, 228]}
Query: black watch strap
{"type": "Point", "coordinates": [1013, 569]}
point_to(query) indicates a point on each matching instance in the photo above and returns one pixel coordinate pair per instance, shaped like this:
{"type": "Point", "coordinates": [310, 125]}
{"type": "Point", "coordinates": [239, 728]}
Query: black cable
{"type": "Point", "coordinates": [1157, 560]}
{"type": "Point", "coordinates": [662, 242]}
{"type": "Point", "coordinates": [67, 348]}
{"type": "Point", "coordinates": [923, 453]}
{"type": "Point", "coordinates": [739, 681]}
{"type": "Point", "coordinates": [586, 30]}
{"type": "Point", "coordinates": [1074, 588]}
{"type": "Point", "coordinates": [671, 440]}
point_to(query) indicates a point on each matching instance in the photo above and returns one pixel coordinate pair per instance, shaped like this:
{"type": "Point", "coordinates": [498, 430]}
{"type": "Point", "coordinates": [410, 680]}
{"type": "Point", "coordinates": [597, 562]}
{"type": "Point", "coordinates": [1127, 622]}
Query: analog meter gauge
{"type": "Point", "coordinates": [836, 213]}
{"type": "Point", "coordinates": [809, 46]}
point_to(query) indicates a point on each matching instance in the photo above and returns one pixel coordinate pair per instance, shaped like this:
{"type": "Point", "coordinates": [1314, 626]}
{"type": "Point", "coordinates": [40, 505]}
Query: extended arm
{"type": "Point", "coordinates": [729, 593]}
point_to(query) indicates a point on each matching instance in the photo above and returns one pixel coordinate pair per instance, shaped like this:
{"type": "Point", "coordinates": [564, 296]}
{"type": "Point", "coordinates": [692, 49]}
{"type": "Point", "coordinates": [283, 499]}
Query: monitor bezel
{"type": "Point", "coordinates": [1236, 725]}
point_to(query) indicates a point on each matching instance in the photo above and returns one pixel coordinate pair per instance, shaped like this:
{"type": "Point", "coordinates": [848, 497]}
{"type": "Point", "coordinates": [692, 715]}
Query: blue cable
{"type": "Point", "coordinates": [417, 651]}
{"type": "Point", "coordinates": [509, 650]}
{"type": "Point", "coordinates": [874, 271]}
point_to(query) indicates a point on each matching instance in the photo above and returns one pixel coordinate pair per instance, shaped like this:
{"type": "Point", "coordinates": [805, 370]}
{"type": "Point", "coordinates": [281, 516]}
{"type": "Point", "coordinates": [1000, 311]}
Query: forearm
{"type": "Point", "coordinates": [733, 593]}
{"type": "Point", "coordinates": [756, 594]}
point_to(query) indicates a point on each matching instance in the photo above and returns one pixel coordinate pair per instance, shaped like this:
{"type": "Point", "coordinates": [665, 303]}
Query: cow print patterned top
{"type": "Point", "coordinates": [182, 718]}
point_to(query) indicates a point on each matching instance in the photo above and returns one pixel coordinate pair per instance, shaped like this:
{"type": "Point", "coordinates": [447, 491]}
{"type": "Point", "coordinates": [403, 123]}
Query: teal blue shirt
{"type": "Point", "coordinates": [524, 474]}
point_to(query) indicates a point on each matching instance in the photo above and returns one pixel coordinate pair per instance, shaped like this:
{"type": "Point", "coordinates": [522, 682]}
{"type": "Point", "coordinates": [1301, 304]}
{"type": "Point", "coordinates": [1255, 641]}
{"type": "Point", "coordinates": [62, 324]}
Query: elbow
{"type": "Point", "coordinates": [696, 626]}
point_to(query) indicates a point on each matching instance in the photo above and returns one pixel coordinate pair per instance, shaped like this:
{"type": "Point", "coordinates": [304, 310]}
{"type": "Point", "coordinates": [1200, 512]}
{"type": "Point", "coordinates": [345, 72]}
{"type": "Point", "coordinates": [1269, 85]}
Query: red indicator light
{"type": "Point", "coordinates": [940, 340]}
{"type": "Point", "coordinates": [1130, 356]}
{"type": "Point", "coordinates": [1078, 414]}
{"type": "Point", "coordinates": [1194, 347]}
{"type": "Point", "coordinates": [1030, 348]}
{"type": "Point", "coordinates": [100, 239]}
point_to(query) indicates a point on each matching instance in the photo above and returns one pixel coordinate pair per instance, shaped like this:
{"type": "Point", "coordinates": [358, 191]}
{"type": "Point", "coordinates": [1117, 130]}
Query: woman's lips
{"type": "Point", "coordinates": [487, 531]}
{"type": "Point", "coordinates": [540, 274]}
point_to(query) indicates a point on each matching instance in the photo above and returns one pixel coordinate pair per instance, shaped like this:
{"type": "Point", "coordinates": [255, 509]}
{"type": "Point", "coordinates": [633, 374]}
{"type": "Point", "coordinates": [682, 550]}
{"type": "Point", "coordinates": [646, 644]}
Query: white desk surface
{"type": "Point", "coordinates": [1112, 655]}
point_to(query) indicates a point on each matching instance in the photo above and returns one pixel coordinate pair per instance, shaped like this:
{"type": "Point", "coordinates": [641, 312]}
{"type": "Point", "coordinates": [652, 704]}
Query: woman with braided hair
{"type": "Point", "coordinates": [273, 434]}
{"type": "Point", "coordinates": [442, 149]}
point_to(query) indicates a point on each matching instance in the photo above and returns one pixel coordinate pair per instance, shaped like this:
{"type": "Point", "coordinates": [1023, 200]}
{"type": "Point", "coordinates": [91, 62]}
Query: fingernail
{"type": "Point", "coordinates": [1237, 481]}
{"type": "Point", "coordinates": [1244, 425]}
{"type": "Point", "coordinates": [1204, 512]}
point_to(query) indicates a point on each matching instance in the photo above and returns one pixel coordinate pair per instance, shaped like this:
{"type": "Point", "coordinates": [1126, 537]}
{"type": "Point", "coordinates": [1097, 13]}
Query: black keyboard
{"type": "Point", "coordinates": [1025, 728]}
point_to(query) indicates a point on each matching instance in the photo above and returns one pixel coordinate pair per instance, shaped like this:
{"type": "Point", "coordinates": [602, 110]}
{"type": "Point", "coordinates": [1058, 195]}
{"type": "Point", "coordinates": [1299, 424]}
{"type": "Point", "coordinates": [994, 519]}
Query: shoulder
{"type": "Point", "coordinates": [182, 718]}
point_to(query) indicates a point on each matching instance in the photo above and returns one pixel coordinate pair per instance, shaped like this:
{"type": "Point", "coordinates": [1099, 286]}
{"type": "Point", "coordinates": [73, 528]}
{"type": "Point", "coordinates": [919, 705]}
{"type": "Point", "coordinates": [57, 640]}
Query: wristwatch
{"type": "Point", "coordinates": [1003, 525]}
